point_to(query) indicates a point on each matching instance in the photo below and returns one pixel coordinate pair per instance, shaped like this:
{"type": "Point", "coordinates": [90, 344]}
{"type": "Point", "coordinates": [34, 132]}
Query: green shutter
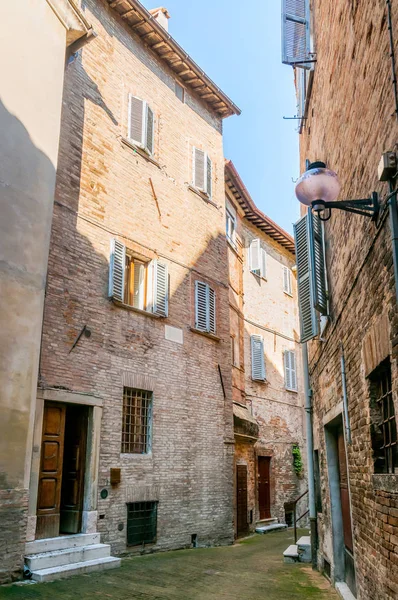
{"type": "Point", "coordinates": [318, 263]}
{"type": "Point", "coordinates": [308, 316]}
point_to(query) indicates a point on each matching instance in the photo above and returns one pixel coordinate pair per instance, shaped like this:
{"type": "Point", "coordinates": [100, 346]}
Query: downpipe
{"type": "Point", "coordinates": [394, 234]}
{"type": "Point", "coordinates": [310, 459]}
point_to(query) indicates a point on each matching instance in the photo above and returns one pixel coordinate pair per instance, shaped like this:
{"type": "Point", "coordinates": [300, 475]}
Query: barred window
{"type": "Point", "coordinates": [141, 523]}
{"type": "Point", "coordinates": [383, 422]}
{"type": "Point", "coordinates": [137, 420]}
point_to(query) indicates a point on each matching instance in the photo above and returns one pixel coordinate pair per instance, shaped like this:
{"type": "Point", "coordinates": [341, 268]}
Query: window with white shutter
{"type": "Point", "coordinates": [257, 259]}
{"type": "Point", "coordinates": [287, 281]}
{"type": "Point", "coordinates": [117, 270]}
{"type": "Point", "coordinates": [296, 34]}
{"type": "Point", "coordinates": [202, 171]}
{"type": "Point", "coordinates": [205, 308]}
{"type": "Point", "coordinates": [257, 353]}
{"type": "Point", "coordinates": [161, 289]}
{"type": "Point", "coordinates": [289, 359]}
{"type": "Point", "coordinates": [141, 125]}
{"type": "Point", "coordinates": [230, 226]}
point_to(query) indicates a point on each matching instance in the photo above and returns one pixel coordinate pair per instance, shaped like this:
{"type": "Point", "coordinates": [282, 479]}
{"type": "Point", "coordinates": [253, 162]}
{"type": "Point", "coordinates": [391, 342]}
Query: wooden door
{"type": "Point", "coordinates": [50, 476]}
{"type": "Point", "coordinates": [73, 469]}
{"type": "Point", "coordinates": [241, 500]}
{"type": "Point", "coordinates": [264, 488]}
{"type": "Point", "coordinates": [344, 493]}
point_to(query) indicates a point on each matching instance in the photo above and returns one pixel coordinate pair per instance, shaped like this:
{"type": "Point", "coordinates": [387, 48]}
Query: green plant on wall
{"type": "Point", "coordinates": [297, 460]}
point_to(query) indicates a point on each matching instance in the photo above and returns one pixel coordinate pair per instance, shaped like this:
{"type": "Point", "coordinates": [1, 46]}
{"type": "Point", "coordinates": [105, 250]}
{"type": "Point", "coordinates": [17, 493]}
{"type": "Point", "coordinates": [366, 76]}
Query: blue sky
{"type": "Point", "coordinates": [238, 45]}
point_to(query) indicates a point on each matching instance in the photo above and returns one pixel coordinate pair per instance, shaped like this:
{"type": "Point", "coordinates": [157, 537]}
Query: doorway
{"type": "Point", "coordinates": [62, 466]}
{"type": "Point", "coordinates": [264, 487]}
{"type": "Point", "coordinates": [241, 500]}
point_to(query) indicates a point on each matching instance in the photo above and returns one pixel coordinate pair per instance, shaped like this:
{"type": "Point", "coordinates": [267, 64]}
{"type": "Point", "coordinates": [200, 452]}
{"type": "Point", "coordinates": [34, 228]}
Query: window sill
{"type": "Point", "coordinates": [139, 151]}
{"type": "Point", "coordinates": [288, 294]}
{"type": "Point", "coordinates": [140, 455]}
{"type": "Point", "coordinates": [136, 310]}
{"type": "Point", "coordinates": [385, 482]}
{"type": "Point", "coordinates": [290, 390]}
{"type": "Point", "coordinates": [260, 380]}
{"type": "Point", "coordinates": [206, 334]}
{"type": "Point", "coordinates": [202, 195]}
{"type": "Point", "coordinates": [258, 275]}
{"type": "Point", "coordinates": [232, 244]}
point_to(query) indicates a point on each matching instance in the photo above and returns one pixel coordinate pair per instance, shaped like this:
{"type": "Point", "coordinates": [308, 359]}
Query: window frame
{"type": "Point", "coordinates": [206, 161]}
{"type": "Point", "coordinates": [144, 128]}
{"type": "Point", "coordinates": [382, 376]}
{"type": "Point", "coordinates": [153, 517]}
{"type": "Point", "coordinates": [230, 217]}
{"type": "Point", "coordinates": [209, 291]}
{"type": "Point", "coordinates": [177, 84]}
{"type": "Point", "coordinates": [129, 426]}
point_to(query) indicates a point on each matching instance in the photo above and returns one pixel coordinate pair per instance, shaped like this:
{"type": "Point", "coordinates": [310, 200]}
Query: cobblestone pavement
{"type": "Point", "coordinates": [253, 569]}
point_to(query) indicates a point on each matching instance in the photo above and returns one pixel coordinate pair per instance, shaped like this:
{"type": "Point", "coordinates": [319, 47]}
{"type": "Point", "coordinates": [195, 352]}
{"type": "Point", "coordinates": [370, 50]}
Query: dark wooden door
{"type": "Point", "coordinates": [50, 476]}
{"type": "Point", "coordinates": [73, 469]}
{"type": "Point", "coordinates": [264, 488]}
{"type": "Point", "coordinates": [344, 493]}
{"type": "Point", "coordinates": [241, 500]}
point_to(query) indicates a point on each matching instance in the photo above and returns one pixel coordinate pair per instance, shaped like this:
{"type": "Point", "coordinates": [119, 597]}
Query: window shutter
{"type": "Point", "coordinates": [308, 316]}
{"type": "Point", "coordinates": [255, 256]}
{"type": "Point", "coordinates": [212, 310]}
{"type": "Point", "coordinates": [201, 306]}
{"type": "Point", "coordinates": [287, 280]}
{"type": "Point", "coordinates": [301, 92]}
{"type": "Point", "coordinates": [317, 263]}
{"type": "Point", "coordinates": [149, 130]}
{"type": "Point", "coordinates": [139, 282]}
{"type": "Point", "coordinates": [258, 364]}
{"type": "Point", "coordinates": [117, 270]}
{"type": "Point", "coordinates": [199, 169]}
{"type": "Point", "coordinates": [161, 289]}
{"type": "Point", "coordinates": [290, 370]}
{"type": "Point", "coordinates": [136, 120]}
{"type": "Point", "coordinates": [296, 42]}
{"type": "Point", "coordinates": [263, 271]}
{"type": "Point", "coordinates": [208, 176]}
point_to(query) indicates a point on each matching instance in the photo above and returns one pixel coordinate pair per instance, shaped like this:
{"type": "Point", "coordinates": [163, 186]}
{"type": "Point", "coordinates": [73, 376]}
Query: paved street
{"type": "Point", "coordinates": [252, 569]}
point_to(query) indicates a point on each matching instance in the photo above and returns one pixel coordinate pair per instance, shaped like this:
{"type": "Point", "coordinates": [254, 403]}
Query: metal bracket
{"type": "Point", "coordinates": [368, 207]}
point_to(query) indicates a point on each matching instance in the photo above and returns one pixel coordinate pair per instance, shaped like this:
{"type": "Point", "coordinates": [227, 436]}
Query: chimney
{"type": "Point", "coordinates": [162, 16]}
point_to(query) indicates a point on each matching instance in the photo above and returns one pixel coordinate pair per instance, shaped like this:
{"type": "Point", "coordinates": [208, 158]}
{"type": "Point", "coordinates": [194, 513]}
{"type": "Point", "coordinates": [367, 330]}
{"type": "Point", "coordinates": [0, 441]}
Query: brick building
{"type": "Point", "coordinates": [267, 386]}
{"type": "Point", "coordinates": [348, 119]}
{"type": "Point", "coordinates": [136, 341]}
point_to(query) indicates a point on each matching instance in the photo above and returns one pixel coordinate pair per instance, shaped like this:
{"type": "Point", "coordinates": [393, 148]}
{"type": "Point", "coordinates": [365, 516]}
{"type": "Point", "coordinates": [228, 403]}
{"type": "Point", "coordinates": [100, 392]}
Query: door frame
{"type": "Point", "coordinates": [94, 403]}
{"type": "Point", "coordinates": [268, 459]}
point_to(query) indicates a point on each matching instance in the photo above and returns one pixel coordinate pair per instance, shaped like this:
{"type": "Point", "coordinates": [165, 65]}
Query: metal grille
{"type": "Point", "coordinates": [137, 412]}
{"type": "Point", "coordinates": [384, 436]}
{"type": "Point", "coordinates": [141, 523]}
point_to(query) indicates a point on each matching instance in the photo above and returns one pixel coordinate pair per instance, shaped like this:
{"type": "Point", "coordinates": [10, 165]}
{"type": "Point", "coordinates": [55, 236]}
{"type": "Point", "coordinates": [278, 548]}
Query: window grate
{"type": "Point", "coordinates": [141, 523]}
{"type": "Point", "coordinates": [137, 413]}
{"type": "Point", "coordinates": [384, 428]}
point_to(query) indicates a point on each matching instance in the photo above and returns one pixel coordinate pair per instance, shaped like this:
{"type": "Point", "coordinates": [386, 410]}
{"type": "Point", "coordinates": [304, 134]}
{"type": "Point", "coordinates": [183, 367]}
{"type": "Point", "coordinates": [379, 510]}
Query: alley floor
{"type": "Point", "coordinates": [253, 569]}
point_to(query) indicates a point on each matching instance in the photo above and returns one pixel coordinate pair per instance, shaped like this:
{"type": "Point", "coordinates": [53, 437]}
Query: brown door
{"type": "Point", "coordinates": [241, 500]}
{"type": "Point", "coordinates": [264, 490]}
{"type": "Point", "coordinates": [344, 494]}
{"type": "Point", "coordinates": [50, 476]}
{"type": "Point", "coordinates": [73, 469]}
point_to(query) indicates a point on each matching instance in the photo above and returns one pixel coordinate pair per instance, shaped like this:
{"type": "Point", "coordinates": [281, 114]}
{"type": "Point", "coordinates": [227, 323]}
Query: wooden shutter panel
{"type": "Point", "coordinates": [212, 310]}
{"type": "Point", "coordinates": [149, 130]}
{"type": "Point", "coordinates": [209, 175]}
{"type": "Point", "coordinates": [293, 371]}
{"type": "Point", "coordinates": [136, 120]}
{"type": "Point", "coordinates": [287, 280]}
{"type": "Point", "coordinates": [290, 370]}
{"type": "Point", "coordinates": [117, 270]}
{"type": "Point", "coordinates": [199, 169]}
{"type": "Point", "coordinates": [286, 360]}
{"type": "Point", "coordinates": [255, 256]}
{"type": "Point", "coordinates": [201, 312]}
{"type": "Point", "coordinates": [296, 41]}
{"type": "Point", "coordinates": [139, 282]}
{"type": "Point", "coordinates": [308, 316]}
{"type": "Point", "coordinates": [257, 351]}
{"type": "Point", "coordinates": [317, 263]}
{"type": "Point", "coordinates": [263, 272]}
{"type": "Point", "coordinates": [161, 289]}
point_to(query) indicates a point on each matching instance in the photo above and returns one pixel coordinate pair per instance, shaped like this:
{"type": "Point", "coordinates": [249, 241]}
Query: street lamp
{"type": "Point", "coordinates": [319, 188]}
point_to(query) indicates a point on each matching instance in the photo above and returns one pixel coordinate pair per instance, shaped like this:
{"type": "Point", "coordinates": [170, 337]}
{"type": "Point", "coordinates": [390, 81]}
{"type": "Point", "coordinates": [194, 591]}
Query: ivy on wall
{"type": "Point", "coordinates": [297, 460]}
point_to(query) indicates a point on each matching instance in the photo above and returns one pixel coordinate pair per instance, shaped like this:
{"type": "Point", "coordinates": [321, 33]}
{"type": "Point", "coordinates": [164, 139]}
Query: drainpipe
{"type": "Point", "coordinates": [345, 399]}
{"type": "Point", "coordinates": [310, 458]}
{"type": "Point", "coordinates": [394, 233]}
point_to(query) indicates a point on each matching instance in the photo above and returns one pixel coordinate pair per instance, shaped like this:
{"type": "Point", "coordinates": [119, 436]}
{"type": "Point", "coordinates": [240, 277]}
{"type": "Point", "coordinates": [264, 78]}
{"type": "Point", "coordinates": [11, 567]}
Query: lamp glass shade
{"type": "Point", "coordinates": [317, 184]}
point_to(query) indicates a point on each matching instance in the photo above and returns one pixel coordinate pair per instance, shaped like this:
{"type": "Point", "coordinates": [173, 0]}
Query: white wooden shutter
{"type": "Point", "coordinates": [308, 316]}
{"type": "Point", "coordinates": [212, 310]}
{"type": "Point", "coordinates": [296, 35]}
{"type": "Point", "coordinates": [209, 175]}
{"type": "Point", "coordinates": [199, 169]}
{"type": "Point", "coordinates": [161, 289]}
{"type": "Point", "coordinates": [263, 266]}
{"type": "Point", "coordinates": [117, 270]}
{"type": "Point", "coordinates": [201, 311]}
{"type": "Point", "coordinates": [137, 119]}
{"type": "Point", "coordinates": [290, 370]}
{"type": "Point", "coordinates": [318, 269]}
{"type": "Point", "coordinates": [287, 280]}
{"type": "Point", "coordinates": [257, 352]}
{"type": "Point", "coordinates": [149, 130]}
{"type": "Point", "coordinates": [255, 256]}
{"type": "Point", "coordinates": [139, 285]}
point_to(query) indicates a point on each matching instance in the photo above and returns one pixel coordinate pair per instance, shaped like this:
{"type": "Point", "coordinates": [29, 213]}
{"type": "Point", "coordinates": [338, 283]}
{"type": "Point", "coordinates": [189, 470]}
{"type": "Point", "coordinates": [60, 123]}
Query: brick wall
{"type": "Point", "coordinates": [13, 516]}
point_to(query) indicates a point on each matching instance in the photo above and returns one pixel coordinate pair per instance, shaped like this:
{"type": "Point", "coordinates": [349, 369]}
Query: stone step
{"type": "Point", "coordinates": [272, 527]}
{"type": "Point", "coordinates": [291, 554]}
{"type": "Point", "coordinates": [304, 548]}
{"type": "Point", "coordinates": [66, 556]}
{"type": "Point", "coordinates": [78, 568]}
{"type": "Point", "coordinates": [61, 542]}
{"type": "Point", "coordinates": [266, 522]}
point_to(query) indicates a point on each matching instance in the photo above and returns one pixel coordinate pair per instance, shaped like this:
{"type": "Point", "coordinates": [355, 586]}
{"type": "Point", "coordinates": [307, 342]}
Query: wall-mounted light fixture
{"type": "Point", "coordinates": [319, 188]}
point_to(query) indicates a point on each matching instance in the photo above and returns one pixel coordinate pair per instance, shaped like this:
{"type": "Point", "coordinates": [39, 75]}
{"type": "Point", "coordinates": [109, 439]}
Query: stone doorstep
{"type": "Point", "coordinates": [262, 522]}
{"type": "Point", "coordinates": [291, 554]}
{"type": "Point", "coordinates": [66, 556]}
{"type": "Point", "coordinates": [78, 568]}
{"type": "Point", "coordinates": [344, 591]}
{"type": "Point", "coordinates": [304, 549]}
{"type": "Point", "coordinates": [61, 542]}
{"type": "Point", "coordinates": [272, 527]}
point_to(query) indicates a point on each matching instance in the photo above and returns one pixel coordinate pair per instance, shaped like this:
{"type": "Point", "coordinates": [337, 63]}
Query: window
{"type": "Point", "coordinates": [257, 259]}
{"type": "Point", "coordinates": [205, 308]}
{"type": "Point", "coordinates": [141, 124]}
{"type": "Point", "coordinates": [137, 418]}
{"type": "Point", "coordinates": [202, 172]}
{"type": "Point", "coordinates": [296, 34]}
{"type": "Point", "coordinates": [141, 523]}
{"type": "Point", "coordinates": [179, 92]}
{"type": "Point", "coordinates": [258, 363]}
{"type": "Point", "coordinates": [136, 283]}
{"type": "Point", "coordinates": [287, 281]}
{"type": "Point", "coordinates": [289, 360]}
{"type": "Point", "coordinates": [383, 421]}
{"type": "Point", "coordinates": [230, 226]}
